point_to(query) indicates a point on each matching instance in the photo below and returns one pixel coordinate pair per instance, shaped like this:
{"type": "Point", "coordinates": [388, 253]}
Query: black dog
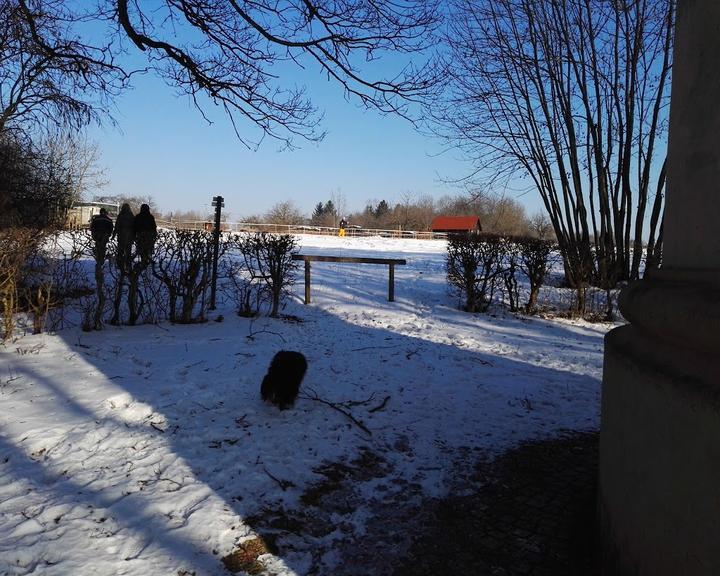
{"type": "Point", "coordinates": [282, 382]}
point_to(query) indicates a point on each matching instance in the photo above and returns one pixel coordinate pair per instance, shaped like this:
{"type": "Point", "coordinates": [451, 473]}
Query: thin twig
{"type": "Point", "coordinates": [350, 403]}
{"type": "Point", "coordinates": [252, 336]}
{"type": "Point", "coordinates": [375, 348]}
{"type": "Point", "coordinates": [157, 427]}
{"type": "Point", "coordinates": [171, 481]}
{"type": "Point", "coordinates": [334, 406]}
{"type": "Point", "coordinates": [380, 406]}
{"type": "Point", "coordinates": [284, 484]}
{"type": "Point", "coordinates": [81, 345]}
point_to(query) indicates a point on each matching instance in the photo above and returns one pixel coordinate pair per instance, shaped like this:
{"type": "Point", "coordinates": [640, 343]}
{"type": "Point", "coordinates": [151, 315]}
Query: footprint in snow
{"type": "Point", "coordinates": [126, 408]}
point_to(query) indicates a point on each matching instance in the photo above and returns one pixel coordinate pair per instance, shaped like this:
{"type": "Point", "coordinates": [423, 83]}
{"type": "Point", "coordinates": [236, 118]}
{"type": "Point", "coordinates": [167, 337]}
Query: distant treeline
{"type": "Point", "coordinates": [497, 215]}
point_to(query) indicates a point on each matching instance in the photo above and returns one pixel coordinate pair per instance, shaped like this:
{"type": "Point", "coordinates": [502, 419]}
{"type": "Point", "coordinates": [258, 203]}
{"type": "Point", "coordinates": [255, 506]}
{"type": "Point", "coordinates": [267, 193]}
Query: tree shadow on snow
{"type": "Point", "coordinates": [386, 420]}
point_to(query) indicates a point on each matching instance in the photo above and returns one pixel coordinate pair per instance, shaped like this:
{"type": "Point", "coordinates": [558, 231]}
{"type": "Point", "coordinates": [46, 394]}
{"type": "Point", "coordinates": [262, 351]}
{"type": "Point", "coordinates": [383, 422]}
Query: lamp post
{"type": "Point", "coordinates": [219, 203]}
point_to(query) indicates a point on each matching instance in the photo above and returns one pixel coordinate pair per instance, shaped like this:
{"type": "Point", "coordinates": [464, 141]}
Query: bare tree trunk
{"type": "Point", "coordinates": [654, 245]}
{"type": "Point", "coordinates": [573, 95]}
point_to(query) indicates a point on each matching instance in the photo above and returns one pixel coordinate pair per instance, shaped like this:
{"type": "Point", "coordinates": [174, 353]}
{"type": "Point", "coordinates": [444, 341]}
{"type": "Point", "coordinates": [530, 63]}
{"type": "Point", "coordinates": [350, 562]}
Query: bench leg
{"type": "Point", "coordinates": [307, 282]}
{"type": "Point", "coordinates": [391, 283]}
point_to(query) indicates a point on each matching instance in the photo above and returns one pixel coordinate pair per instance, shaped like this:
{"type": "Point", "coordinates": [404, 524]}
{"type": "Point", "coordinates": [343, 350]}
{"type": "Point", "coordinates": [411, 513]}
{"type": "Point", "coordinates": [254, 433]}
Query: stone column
{"type": "Point", "coordinates": [659, 484]}
{"type": "Point", "coordinates": [692, 213]}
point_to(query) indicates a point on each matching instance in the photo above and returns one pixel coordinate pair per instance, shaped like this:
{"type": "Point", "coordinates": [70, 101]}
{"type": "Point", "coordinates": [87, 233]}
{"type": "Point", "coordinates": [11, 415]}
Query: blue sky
{"type": "Point", "coordinates": [163, 147]}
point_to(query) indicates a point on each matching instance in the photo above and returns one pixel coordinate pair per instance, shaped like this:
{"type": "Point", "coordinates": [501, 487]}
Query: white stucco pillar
{"type": "Point", "coordinates": [659, 485]}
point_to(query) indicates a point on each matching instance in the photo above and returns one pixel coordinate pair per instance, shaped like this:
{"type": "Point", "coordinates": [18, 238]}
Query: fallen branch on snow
{"type": "Point", "coordinates": [380, 406]}
{"type": "Point", "coordinates": [334, 406]}
{"type": "Point", "coordinates": [284, 484]}
{"type": "Point", "coordinates": [157, 427]}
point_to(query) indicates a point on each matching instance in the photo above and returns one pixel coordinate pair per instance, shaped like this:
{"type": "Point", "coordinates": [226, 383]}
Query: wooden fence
{"type": "Point", "coordinates": [299, 229]}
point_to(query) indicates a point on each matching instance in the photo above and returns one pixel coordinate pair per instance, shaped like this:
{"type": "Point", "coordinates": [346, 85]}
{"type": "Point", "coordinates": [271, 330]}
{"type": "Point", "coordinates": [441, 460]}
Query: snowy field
{"type": "Point", "coordinates": [147, 451]}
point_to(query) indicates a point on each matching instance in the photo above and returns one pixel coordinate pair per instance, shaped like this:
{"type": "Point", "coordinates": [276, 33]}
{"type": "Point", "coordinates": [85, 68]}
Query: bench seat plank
{"type": "Point", "coordinates": [389, 262]}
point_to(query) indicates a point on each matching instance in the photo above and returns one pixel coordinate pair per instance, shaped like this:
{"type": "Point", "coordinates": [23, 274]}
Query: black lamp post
{"type": "Point", "coordinates": [219, 203]}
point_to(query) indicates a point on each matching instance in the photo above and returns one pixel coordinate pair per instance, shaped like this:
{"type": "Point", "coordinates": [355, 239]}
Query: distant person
{"type": "Point", "coordinates": [101, 227]}
{"type": "Point", "coordinates": [125, 232]}
{"type": "Point", "coordinates": [145, 233]}
{"type": "Point", "coordinates": [343, 225]}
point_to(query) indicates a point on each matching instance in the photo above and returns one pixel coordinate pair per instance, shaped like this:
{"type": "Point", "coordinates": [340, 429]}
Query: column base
{"type": "Point", "coordinates": [659, 484]}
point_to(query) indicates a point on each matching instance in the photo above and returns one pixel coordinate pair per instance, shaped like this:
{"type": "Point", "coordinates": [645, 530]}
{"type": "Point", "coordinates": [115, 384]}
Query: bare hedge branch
{"type": "Point", "coordinates": [268, 257]}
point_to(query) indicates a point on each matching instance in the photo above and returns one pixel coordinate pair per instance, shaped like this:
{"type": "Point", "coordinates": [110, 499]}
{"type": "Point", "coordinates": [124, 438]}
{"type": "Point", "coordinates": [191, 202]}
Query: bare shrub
{"type": "Point", "coordinates": [249, 293]}
{"type": "Point", "coordinates": [474, 262]}
{"type": "Point", "coordinates": [34, 284]}
{"type": "Point", "coordinates": [136, 289]}
{"type": "Point", "coordinates": [100, 255]}
{"type": "Point", "coordinates": [57, 273]}
{"type": "Point", "coordinates": [16, 245]}
{"type": "Point", "coordinates": [69, 276]}
{"type": "Point", "coordinates": [38, 300]}
{"type": "Point", "coordinates": [183, 263]}
{"type": "Point", "coordinates": [70, 266]}
{"type": "Point", "coordinates": [125, 276]}
{"type": "Point", "coordinates": [601, 303]}
{"type": "Point", "coordinates": [511, 263]}
{"type": "Point", "coordinates": [534, 254]}
{"type": "Point", "coordinates": [268, 257]}
{"type": "Point", "coordinates": [46, 275]}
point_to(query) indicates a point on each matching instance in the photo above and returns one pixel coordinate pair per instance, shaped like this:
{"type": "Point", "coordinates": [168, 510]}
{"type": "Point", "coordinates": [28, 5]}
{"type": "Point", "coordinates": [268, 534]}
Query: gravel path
{"type": "Point", "coordinates": [532, 514]}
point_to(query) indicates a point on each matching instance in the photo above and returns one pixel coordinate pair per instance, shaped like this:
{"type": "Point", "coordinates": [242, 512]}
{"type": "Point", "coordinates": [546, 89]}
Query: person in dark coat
{"type": "Point", "coordinates": [145, 233]}
{"type": "Point", "coordinates": [125, 232]}
{"type": "Point", "coordinates": [101, 227]}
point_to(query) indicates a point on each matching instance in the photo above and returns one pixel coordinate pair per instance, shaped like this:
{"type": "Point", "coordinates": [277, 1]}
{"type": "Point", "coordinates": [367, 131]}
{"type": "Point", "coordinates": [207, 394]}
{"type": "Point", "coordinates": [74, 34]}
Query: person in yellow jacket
{"type": "Point", "coordinates": [343, 225]}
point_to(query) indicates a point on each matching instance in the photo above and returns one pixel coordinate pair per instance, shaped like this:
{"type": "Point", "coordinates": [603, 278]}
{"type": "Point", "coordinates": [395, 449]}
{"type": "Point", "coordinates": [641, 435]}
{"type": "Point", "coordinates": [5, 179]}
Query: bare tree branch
{"type": "Point", "coordinates": [572, 96]}
{"type": "Point", "coordinates": [238, 56]}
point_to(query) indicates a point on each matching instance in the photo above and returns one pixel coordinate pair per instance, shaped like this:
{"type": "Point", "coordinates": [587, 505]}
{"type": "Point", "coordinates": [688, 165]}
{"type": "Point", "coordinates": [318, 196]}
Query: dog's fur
{"type": "Point", "coordinates": [282, 381]}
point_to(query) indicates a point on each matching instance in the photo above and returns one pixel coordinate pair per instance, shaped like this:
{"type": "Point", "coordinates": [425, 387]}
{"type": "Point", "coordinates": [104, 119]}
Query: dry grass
{"type": "Point", "coordinates": [15, 247]}
{"type": "Point", "coordinates": [245, 557]}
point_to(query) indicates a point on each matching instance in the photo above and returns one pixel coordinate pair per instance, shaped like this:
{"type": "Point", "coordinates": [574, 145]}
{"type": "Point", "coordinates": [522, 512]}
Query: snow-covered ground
{"type": "Point", "coordinates": [147, 451]}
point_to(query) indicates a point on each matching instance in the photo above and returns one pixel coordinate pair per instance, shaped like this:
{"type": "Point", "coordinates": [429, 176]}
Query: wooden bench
{"type": "Point", "coordinates": [390, 262]}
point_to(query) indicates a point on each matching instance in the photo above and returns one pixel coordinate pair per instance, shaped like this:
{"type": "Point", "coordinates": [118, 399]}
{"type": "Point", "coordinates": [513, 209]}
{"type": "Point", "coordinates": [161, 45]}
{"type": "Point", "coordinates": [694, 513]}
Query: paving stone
{"type": "Point", "coordinates": [533, 514]}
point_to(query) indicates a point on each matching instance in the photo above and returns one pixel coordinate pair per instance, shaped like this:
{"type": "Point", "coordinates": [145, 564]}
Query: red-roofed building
{"type": "Point", "coordinates": [456, 224]}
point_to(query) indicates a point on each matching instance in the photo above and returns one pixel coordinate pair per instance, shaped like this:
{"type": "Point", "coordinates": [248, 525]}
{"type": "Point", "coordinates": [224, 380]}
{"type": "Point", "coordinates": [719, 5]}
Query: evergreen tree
{"type": "Point", "coordinates": [329, 208]}
{"type": "Point", "coordinates": [318, 214]}
{"type": "Point", "coordinates": [382, 209]}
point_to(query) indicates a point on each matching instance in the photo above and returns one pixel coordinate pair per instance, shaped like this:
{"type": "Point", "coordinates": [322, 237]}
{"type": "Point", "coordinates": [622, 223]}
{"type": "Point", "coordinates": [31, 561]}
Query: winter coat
{"type": "Point", "coordinates": [101, 226]}
{"type": "Point", "coordinates": [145, 222]}
{"type": "Point", "coordinates": [125, 227]}
{"type": "Point", "coordinates": [145, 233]}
